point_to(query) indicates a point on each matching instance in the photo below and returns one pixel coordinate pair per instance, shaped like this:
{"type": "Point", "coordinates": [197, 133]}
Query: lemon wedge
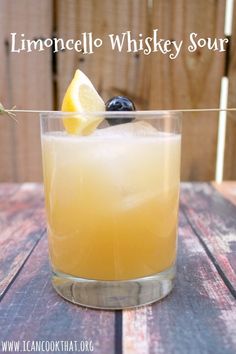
{"type": "Point", "coordinates": [81, 97]}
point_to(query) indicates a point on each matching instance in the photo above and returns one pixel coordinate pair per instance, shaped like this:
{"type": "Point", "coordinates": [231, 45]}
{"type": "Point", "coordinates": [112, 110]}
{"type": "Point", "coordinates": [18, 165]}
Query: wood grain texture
{"type": "Point", "coordinates": [7, 126]}
{"type": "Point", "coordinates": [192, 80]}
{"type": "Point", "coordinates": [111, 72]}
{"type": "Point", "coordinates": [214, 221]}
{"type": "Point", "coordinates": [32, 310]}
{"type": "Point", "coordinates": [230, 143]}
{"type": "Point", "coordinates": [22, 224]}
{"type": "Point", "coordinates": [29, 80]}
{"type": "Point", "coordinates": [197, 317]}
{"type": "Point", "coordinates": [227, 189]}
{"type": "Point", "coordinates": [26, 81]}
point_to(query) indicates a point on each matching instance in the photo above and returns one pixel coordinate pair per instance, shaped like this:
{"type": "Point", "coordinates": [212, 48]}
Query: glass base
{"type": "Point", "coordinates": [114, 295]}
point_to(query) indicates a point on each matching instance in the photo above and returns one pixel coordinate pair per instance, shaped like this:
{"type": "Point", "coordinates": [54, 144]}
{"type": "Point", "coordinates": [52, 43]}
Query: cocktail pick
{"type": "Point", "coordinates": [12, 111]}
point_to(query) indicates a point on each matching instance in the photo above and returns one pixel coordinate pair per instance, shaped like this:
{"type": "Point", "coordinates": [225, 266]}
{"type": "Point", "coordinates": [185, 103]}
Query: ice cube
{"type": "Point", "coordinates": [139, 128]}
{"type": "Point", "coordinates": [134, 200]}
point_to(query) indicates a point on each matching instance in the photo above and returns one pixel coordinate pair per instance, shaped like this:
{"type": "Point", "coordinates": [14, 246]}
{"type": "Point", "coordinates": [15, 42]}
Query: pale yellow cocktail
{"type": "Point", "coordinates": [112, 203]}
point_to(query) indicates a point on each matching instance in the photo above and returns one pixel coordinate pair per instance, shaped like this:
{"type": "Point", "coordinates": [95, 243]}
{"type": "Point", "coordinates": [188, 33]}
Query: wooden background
{"type": "Point", "coordinates": [38, 80]}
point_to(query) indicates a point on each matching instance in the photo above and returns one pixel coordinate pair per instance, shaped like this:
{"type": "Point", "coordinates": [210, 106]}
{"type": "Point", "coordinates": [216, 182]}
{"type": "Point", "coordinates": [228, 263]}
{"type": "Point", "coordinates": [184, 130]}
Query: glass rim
{"type": "Point", "coordinates": [150, 114]}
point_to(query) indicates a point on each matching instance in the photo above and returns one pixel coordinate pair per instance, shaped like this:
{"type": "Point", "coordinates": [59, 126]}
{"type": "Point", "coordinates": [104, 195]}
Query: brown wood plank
{"type": "Point", "coordinates": [7, 126]}
{"type": "Point", "coordinates": [192, 318]}
{"type": "Point", "coordinates": [197, 317]}
{"type": "Point", "coordinates": [214, 220]}
{"type": "Point", "coordinates": [230, 143]}
{"type": "Point", "coordinates": [227, 189]}
{"type": "Point", "coordinates": [22, 223]}
{"type": "Point", "coordinates": [25, 81]}
{"type": "Point", "coordinates": [112, 73]}
{"type": "Point", "coordinates": [192, 80]}
{"type": "Point", "coordinates": [32, 310]}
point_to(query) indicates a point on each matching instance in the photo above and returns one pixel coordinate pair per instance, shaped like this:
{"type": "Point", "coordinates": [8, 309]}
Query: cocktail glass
{"type": "Point", "coordinates": [112, 207]}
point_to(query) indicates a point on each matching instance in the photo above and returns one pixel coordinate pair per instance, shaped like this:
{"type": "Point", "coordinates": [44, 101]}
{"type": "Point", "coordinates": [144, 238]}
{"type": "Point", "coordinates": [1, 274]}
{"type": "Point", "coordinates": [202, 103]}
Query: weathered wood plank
{"type": "Point", "coordinates": [227, 189]}
{"type": "Point", "coordinates": [22, 223]}
{"type": "Point", "coordinates": [198, 317]}
{"type": "Point", "coordinates": [25, 81]}
{"type": "Point", "coordinates": [192, 80]}
{"type": "Point", "coordinates": [112, 73]}
{"type": "Point", "coordinates": [230, 142]}
{"type": "Point", "coordinates": [214, 220]}
{"type": "Point", "coordinates": [7, 161]}
{"type": "Point", "coordinates": [31, 310]}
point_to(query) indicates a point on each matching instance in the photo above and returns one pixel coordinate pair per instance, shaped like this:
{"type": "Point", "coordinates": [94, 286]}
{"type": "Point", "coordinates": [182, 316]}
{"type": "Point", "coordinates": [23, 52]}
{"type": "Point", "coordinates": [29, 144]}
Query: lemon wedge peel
{"type": "Point", "coordinates": [81, 97]}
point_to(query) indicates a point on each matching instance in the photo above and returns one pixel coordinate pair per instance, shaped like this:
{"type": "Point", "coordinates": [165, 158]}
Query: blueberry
{"type": "Point", "coordinates": [118, 104]}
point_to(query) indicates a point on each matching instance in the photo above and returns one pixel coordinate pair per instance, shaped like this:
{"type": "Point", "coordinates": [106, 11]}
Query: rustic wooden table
{"type": "Point", "coordinates": [199, 316]}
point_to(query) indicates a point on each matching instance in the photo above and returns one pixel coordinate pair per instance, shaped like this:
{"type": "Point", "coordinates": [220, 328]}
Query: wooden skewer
{"type": "Point", "coordinates": [169, 110]}
{"type": "Point", "coordinates": [12, 112]}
